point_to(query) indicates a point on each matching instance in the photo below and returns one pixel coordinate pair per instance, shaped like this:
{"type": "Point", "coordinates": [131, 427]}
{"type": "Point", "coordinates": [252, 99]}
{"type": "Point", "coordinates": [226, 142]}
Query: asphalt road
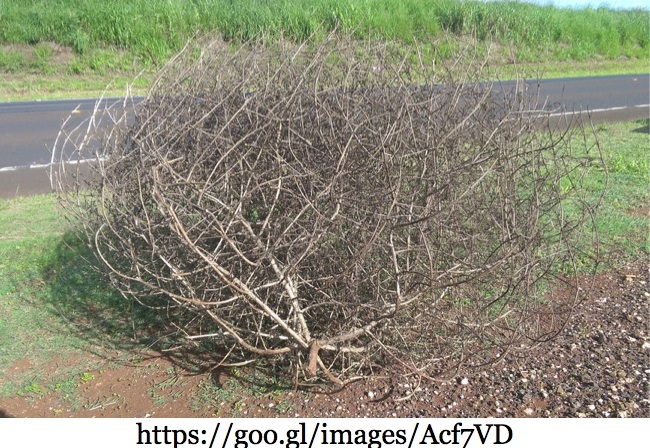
{"type": "Point", "coordinates": [28, 130]}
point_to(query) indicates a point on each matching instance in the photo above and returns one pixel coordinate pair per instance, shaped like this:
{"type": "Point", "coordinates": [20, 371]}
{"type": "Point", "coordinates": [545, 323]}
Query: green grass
{"type": "Point", "coordinates": [152, 29]}
{"type": "Point", "coordinates": [31, 329]}
{"type": "Point", "coordinates": [77, 39]}
{"type": "Point", "coordinates": [53, 306]}
{"type": "Point", "coordinates": [623, 222]}
{"type": "Point", "coordinates": [27, 227]}
{"type": "Point", "coordinates": [23, 87]}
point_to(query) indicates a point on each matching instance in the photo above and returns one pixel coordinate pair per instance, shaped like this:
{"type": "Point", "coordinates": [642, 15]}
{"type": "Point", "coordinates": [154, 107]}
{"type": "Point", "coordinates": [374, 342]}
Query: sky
{"type": "Point", "coordinates": [614, 4]}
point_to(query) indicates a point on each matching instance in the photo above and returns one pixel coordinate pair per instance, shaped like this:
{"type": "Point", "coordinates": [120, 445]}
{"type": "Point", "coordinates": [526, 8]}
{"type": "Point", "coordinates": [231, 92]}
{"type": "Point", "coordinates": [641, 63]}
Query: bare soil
{"type": "Point", "coordinates": [598, 367]}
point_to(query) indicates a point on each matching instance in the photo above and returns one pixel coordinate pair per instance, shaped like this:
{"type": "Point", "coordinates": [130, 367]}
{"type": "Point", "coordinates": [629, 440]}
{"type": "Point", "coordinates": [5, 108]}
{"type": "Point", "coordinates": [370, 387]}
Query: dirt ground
{"type": "Point", "coordinates": [598, 367]}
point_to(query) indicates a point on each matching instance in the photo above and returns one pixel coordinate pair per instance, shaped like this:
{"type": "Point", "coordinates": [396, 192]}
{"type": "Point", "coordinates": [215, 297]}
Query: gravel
{"type": "Point", "coordinates": [597, 367]}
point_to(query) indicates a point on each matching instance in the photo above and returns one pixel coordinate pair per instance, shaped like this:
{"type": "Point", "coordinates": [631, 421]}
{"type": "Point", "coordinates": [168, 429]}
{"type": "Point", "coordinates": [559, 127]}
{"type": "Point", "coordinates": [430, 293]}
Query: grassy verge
{"type": "Point", "coordinates": [58, 82]}
{"type": "Point", "coordinates": [60, 85]}
{"type": "Point", "coordinates": [623, 220]}
{"type": "Point", "coordinates": [72, 48]}
{"type": "Point", "coordinates": [53, 308]}
{"type": "Point", "coordinates": [30, 331]}
{"type": "Point", "coordinates": [27, 87]}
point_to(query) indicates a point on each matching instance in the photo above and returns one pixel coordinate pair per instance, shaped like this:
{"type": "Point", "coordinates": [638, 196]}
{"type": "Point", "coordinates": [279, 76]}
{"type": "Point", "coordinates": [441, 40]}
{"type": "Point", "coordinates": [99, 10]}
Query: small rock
{"type": "Point", "coordinates": [582, 415]}
{"type": "Point", "coordinates": [371, 395]}
{"type": "Point", "coordinates": [528, 411]}
{"type": "Point", "coordinates": [464, 382]}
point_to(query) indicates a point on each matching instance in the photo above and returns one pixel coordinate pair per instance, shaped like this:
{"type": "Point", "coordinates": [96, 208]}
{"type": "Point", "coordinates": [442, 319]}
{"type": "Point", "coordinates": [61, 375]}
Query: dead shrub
{"type": "Point", "coordinates": [340, 205]}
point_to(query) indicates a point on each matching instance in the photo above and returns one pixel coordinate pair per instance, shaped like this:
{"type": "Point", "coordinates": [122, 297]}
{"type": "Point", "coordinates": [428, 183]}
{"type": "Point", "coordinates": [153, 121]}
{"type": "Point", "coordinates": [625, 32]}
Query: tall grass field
{"type": "Point", "coordinates": [75, 48]}
{"type": "Point", "coordinates": [151, 30]}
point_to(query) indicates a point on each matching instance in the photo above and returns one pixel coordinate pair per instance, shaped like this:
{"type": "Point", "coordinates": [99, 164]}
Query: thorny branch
{"type": "Point", "coordinates": [340, 203]}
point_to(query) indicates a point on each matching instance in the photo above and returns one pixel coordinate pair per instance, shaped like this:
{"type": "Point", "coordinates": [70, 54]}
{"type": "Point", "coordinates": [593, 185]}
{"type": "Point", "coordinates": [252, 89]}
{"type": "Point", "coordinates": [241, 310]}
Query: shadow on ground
{"type": "Point", "coordinates": [645, 127]}
{"type": "Point", "coordinates": [95, 312]}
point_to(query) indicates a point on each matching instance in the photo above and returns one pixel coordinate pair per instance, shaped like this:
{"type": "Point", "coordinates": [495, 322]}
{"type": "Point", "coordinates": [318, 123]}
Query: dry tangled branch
{"type": "Point", "coordinates": [343, 205]}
